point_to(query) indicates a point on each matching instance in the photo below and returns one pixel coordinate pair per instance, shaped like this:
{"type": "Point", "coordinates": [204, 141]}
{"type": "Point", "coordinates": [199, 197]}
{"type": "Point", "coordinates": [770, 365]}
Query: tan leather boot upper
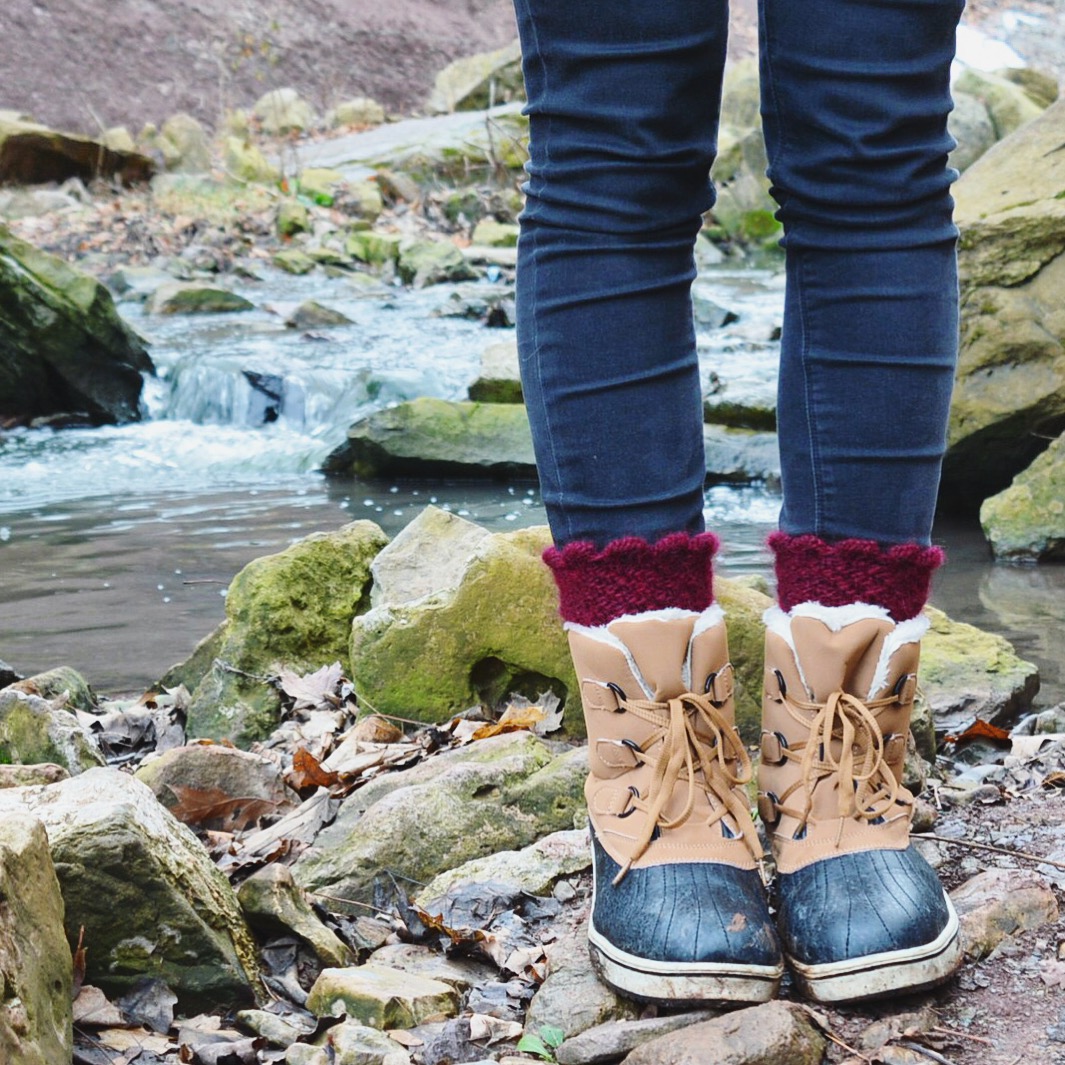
{"type": "Point", "coordinates": [667, 766]}
{"type": "Point", "coordinates": [839, 690]}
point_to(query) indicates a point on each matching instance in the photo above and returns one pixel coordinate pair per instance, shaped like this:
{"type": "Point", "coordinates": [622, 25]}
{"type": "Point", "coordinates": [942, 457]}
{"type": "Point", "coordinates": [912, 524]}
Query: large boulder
{"type": "Point", "coordinates": [63, 347]}
{"type": "Point", "coordinates": [31, 154]}
{"type": "Point", "coordinates": [36, 970]}
{"type": "Point", "coordinates": [291, 609]}
{"type": "Point", "coordinates": [1026, 522]}
{"type": "Point", "coordinates": [33, 731]}
{"type": "Point", "coordinates": [1009, 398]}
{"type": "Point", "coordinates": [142, 886]}
{"type": "Point", "coordinates": [405, 828]}
{"type": "Point", "coordinates": [1007, 103]}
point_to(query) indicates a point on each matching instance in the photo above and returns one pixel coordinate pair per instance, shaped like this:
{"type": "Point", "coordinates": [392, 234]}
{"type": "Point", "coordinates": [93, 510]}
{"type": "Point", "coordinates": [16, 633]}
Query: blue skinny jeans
{"type": "Point", "coordinates": [623, 107]}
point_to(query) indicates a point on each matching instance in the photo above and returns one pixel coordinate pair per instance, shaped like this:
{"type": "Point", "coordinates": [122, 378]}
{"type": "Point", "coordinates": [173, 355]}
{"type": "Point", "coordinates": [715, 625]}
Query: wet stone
{"type": "Point", "coordinates": [356, 1044]}
{"type": "Point", "coordinates": [461, 974]}
{"type": "Point", "coordinates": [999, 903]}
{"type": "Point", "coordinates": [608, 1042]}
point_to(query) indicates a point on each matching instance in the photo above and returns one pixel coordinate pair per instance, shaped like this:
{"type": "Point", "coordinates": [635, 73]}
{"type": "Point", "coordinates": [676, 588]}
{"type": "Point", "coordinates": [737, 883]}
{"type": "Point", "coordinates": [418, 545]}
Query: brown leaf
{"type": "Point", "coordinates": [204, 806]}
{"type": "Point", "coordinates": [984, 730]}
{"type": "Point", "coordinates": [307, 772]}
{"type": "Point", "coordinates": [79, 962]}
{"type": "Point", "coordinates": [515, 718]}
{"type": "Point", "coordinates": [311, 690]}
{"type": "Point", "coordinates": [376, 729]}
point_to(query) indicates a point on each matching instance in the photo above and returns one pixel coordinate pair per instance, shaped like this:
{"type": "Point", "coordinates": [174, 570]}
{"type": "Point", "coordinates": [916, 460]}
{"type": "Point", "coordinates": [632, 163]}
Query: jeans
{"type": "Point", "coordinates": [623, 108]}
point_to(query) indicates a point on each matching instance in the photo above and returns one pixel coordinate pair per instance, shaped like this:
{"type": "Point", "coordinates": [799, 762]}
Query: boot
{"type": "Point", "coordinates": [860, 911]}
{"type": "Point", "coordinates": [679, 911]}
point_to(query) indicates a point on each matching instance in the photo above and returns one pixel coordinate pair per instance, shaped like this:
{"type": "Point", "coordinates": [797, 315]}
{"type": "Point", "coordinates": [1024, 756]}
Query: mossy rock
{"type": "Point", "coordinates": [430, 437]}
{"type": "Point", "coordinates": [65, 349]}
{"type": "Point", "coordinates": [374, 249]}
{"type": "Point", "coordinates": [968, 674]}
{"type": "Point", "coordinates": [60, 683]}
{"type": "Point", "coordinates": [293, 261]}
{"type": "Point", "coordinates": [478, 81]}
{"type": "Point", "coordinates": [495, 234]}
{"type": "Point", "coordinates": [183, 298]}
{"type": "Point", "coordinates": [430, 262]}
{"type": "Point", "coordinates": [500, 378]}
{"type": "Point", "coordinates": [1009, 106]}
{"type": "Point", "coordinates": [1026, 522]}
{"type": "Point", "coordinates": [291, 609]}
{"type": "Point", "coordinates": [292, 218]}
{"type": "Point", "coordinates": [246, 162]}
{"type": "Point", "coordinates": [33, 731]}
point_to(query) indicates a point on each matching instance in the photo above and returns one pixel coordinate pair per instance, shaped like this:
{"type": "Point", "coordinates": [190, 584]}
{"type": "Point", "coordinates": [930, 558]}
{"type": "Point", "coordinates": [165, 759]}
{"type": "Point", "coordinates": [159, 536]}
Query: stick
{"type": "Point", "coordinates": [989, 847]}
{"type": "Point", "coordinates": [925, 1052]}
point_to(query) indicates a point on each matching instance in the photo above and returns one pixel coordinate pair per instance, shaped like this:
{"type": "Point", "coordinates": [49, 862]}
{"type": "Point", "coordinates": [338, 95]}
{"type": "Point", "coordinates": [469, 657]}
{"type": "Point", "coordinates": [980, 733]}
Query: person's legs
{"type": "Point", "coordinates": [855, 101]}
{"type": "Point", "coordinates": [623, 104]}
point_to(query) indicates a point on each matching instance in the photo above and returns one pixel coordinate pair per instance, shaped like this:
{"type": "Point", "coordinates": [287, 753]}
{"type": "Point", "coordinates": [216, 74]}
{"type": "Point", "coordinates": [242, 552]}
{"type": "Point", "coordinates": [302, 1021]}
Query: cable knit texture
{"type": "Point", "coordinates": [810, 570]}
{"type": "Point", "coordinates": [630, 575]}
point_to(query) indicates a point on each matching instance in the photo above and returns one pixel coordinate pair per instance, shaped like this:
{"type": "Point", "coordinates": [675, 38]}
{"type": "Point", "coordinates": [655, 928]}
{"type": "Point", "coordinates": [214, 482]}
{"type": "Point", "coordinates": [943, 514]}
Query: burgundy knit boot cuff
{"type": "Point", "coordinates": [630, 576]}
{"type": "Point", "coordinates": [898, 578]}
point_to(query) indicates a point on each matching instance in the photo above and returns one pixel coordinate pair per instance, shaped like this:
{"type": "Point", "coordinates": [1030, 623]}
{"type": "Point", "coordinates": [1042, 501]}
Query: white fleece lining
{"type": "Point", "coordinates": [711, 616]}
{"type": "Point", "coordinates": [836, 618]}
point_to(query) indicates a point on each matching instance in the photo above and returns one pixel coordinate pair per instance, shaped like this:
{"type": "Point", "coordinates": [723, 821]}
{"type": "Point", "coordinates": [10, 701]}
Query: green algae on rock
{"type": "Point", "coordinates": [33, 731]}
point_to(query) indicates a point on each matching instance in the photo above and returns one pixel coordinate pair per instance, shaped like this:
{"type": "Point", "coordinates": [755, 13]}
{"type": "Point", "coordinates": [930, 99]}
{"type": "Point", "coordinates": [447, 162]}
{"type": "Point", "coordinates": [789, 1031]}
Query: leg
{"type": "Point", "coordinates": [623, 103]}
{"type": "Point", "coordinates": [855, 121]}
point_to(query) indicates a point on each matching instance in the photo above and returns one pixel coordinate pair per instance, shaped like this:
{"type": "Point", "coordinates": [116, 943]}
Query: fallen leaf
{"type": "Point", "coordinates": [311, 690]}
{"type": "Point", "coordinates": [212, 807]}
{"type": "Point", "coordinates": [307, 772]}
{"type": "Point", "coordinates": [484, 1027]}
{"type": "Point", "coordinates": [93, 1009]}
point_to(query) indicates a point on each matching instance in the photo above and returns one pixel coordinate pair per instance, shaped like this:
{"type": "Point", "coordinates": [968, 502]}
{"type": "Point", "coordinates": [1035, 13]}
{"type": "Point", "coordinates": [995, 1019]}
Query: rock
{"type": "Point", "coordinates": [360, 111]}
{"type": "Point", "coordinates": [479, 81]}
{"type": "Point", "coordinates": [397, 188]}
{"type": "Point", "coordinates": [429, 262]}
{"type": "Point", "coordinates": [36, 972]}
{"type": "Point", "coordinates": [375, 249]}
{"type": "Point", "coordinates": [720, 410]}
{"type": "Point", "coordinates": [572, 997]}
{"type": "Point", "coordinates": [294, 608]}
{"type": "Point", "coordinates": [313, 315]}
{"type": "Point", "coordinates": [460, 973]}
{"type": "Point", "coordinates": [225, 772]}
{"type": "Point", "coordinates": [740, 455]}
{"type": "Point", "coordinates": [1040, 88]}
{"type": "Point", "coordinates": [271, 899]}
{"type": "Point", "coordinates": [292, 218]}
{"type": "Point", "coordinates": [65, 347]}
{"type": "Point", "coordinates": [134, 284]}
{"type": "Point", "coordinates": [305, 1054]}
{"type": "Point", "coordinates": [35, 155]}
{"type": "Point", "coordinates": [274, 1029]}
{"type": "Point", "coordinates": [191, 144]}
{"type": "Point", "coordinates": [500, 379]}
{"type": "Point", "coordinates": [1026, 522]}
{"type": "Point", "coordinates": [489, 627]}
{"type": "Point", "coordinates": [971, 126]}
{"type": "Point", "coordinates": [61, 684]}
{"type": "Point", "coordinates": [967, 674]}
{"type": "Point", "coordinates": [381, 997]}
{"type": "Point", "coordinates": [118, 139]}
{"type": "Point", "coordinates": [1009, 395]}
{"type": "Point", "coordinates": [283, 111]}
{"type": "Point", "coordinates": [1009, 106]}
{"type": "Point", "coordinates": [22, 776]}
{"type": "Point", "coordinates": [430, 437]}
{"type": "Point", "coordinates": [493, 234]}
{"type": "Point", "coordinates": [180, 297]}
{"type": "Point", "coordinates": [498, 793]}
{"type": "Point", "coordinates": [33, 731]}
{"type": "Point", "coordinates": [246, 162]}
{"type": "Point", "coordinates": [357, 1044]}
{"type": "Point", "coordinates": [293, 261]}
{"type": "Point", "coordinates": [361, 200]}
{"type": "Point", "coordinates": [534, 869]}
{"type": "Point", "coordinates": [999, 903]}
{"type": "Point", "coordinates": [611, 1041]}
{"type": "Point", "coordinates": [8, 674]}
{"type": "Point", "coordinates": [117, 851]}
{"type": "Point", "coordinates": [770, 1034]}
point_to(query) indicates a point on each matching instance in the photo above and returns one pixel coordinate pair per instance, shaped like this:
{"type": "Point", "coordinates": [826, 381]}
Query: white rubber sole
{"type": "Point", "coordinates": [668, 981]}
{"type": "Point", "coordinates": [887, 973]}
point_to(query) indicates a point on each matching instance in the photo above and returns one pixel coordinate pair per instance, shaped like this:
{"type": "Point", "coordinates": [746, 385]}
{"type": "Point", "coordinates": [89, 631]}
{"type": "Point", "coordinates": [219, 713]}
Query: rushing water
{"type": "Point", "coordinates": [117, 544]}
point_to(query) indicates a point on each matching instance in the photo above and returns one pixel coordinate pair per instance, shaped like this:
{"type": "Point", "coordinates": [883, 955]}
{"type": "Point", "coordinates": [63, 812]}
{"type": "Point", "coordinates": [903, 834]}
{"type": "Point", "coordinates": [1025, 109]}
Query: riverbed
{"type": "Point", "coordinates": [117, 544]}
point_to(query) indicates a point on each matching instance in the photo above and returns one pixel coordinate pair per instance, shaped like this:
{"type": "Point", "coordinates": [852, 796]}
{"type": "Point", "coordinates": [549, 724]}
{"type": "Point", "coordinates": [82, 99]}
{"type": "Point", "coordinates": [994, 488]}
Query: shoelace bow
{"type": "Point", "coordinates": [685, 752]}
{"type": "Point", "coordinates": [850, 724]}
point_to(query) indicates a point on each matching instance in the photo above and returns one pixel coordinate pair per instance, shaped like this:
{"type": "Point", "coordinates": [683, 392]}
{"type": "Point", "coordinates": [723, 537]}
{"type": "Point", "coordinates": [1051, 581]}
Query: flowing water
{"type": "Point", "coordinates": [117, 544]}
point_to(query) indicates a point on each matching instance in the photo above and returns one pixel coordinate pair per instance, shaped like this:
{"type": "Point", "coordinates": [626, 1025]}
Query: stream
{"type": "Point", "coordinates": [117, 544]}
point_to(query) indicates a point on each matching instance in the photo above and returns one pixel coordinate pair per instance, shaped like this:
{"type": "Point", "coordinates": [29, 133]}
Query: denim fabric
{"type": "Point", "coordinates": [623, 104]}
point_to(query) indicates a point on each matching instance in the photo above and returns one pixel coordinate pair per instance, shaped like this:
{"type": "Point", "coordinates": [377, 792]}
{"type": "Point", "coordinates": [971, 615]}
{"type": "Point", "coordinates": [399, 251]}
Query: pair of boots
{"type": "Point", "coordinates": [681, 910]}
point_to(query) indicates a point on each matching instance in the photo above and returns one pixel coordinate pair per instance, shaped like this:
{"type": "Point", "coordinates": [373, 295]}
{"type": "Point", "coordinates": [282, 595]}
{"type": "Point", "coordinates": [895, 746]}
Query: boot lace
{"type": "Point", "coordinates": [714, 761]}
{"type": "Point", "coordinates": [849, 725]}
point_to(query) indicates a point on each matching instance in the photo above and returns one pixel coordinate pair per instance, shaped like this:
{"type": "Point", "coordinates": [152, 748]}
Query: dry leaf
{"type": "Point", "coordinates": [92, 1008]}
{"type": "Point", "coordinates": [212, 806]}
{"type": "Point", "coordinates": [488, 1029]}
{"type": "Point", "coordinates": [984, 730]}
{"type": "Point", "coordinates": [376, 729]}
{"type": "Point", "coordinates": [515, 719]}
{"type": "Point", "coordinates": [311, 690]}
{"type": "Point", "coordinates": [79, 962]}
{"type": "Point", "coordinates": [307, 772]}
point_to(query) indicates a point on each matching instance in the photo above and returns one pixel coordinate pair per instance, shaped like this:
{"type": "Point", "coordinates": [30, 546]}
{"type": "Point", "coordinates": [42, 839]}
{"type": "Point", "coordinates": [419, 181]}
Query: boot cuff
{"type": "Point", "coordinates": [810, 570]}
{"type": "Point", "coordinates": [630, 576]}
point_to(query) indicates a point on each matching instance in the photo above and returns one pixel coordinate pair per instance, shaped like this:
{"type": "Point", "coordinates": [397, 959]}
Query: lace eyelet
{"type": "Point", "coordinates": [631, 809]}
{"type": "Point", "coordinates": [619, 694]}
{"type": "Point", "coordinates": [781, 683]}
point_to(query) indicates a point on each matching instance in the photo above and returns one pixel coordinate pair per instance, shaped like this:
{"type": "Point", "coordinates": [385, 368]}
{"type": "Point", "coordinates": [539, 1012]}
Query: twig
{"type": "Point", "coordinates": [925, 1052]}
{"type": "Point", "coordinates": [347, 902]}
{"type": "Point", "coordinates": [963, 1035]}
{"type": "Point", "coordinates": [990, 847]}
{"type": "Point", "coordinates": [849, 1049]}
